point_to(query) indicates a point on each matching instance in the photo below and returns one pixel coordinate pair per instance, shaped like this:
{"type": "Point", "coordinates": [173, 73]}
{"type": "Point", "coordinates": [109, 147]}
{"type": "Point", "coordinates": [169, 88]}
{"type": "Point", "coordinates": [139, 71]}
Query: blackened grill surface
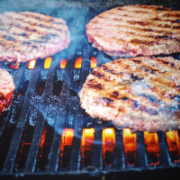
{"type": "Point", "coordinates": [31, 130]}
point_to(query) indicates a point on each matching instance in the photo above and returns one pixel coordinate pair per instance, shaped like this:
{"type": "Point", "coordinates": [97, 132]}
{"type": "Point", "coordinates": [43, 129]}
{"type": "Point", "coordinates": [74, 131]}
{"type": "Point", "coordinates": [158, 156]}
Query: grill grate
{"type": "Point", "coordinates": [46, 104]}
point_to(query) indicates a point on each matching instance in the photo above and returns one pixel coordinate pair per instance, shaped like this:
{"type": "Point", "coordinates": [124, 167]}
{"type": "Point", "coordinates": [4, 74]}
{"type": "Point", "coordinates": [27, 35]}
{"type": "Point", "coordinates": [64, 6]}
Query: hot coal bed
{"type": "Point", "coordinates": [46, 134]}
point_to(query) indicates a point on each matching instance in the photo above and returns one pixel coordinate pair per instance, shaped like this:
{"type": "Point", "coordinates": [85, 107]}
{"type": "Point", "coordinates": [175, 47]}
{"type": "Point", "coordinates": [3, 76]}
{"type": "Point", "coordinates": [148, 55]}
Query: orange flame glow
{"type": "Point", "coordinates": [47, 62]}
{"type": "Point", "coordinates": [31, 64]}
{"type": "Point", "coordinates": [87, 144]}
{"type": "Point", "coordinates": [14, 67]}
{"type": "Point", "coordinates": [130, 146]}
{"type": "Point", "coordinates": [93, 62]}
{"type": "Point", "coordinates": [173, 142]}
{"type": "Point", "coordinates": [63, 63]}
{"type": "Point", "coordinates": [108, 144]}
{"type": "Point", "coordinates": [67, 137]}
{"type": "Point", "coordinates": [87, 138]}
{"type": "Point", "coordinates": [152, 147]}
{"type": "Point", "coordinates": [43, 137]}
{"type": "Point", "coordinates": [66, 141]}
{"type": "Point", "coordinates": [78, 63]}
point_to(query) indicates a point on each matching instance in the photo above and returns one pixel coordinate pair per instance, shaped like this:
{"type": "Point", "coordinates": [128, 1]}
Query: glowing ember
{"type": "Point", "coordinates": [78, 63]}
{"type": "Point", "coordinates": [63, 63]}
{"type": "Point", "coordinates": [66, 147]}
{"type": "Point", "coordinates": [31, 64]}
{"type": "Point", "coordinates": [47, 62]}
{"type": "Point", "coordinates": [173, 142]}
{"type": "Point", "coordinates": [93, 62]}
{"type": "Point", "coordinates": [130, 146]}
{"type": "Point", "coordinates": [108, 145]}
{"type": "Point", "coordinates": [87, 137]}
{"type": "Point", "coordinates": [14, 67]}
{"type": "Point", "coordinates": [87, 146]}
{"type": "Point", "coordinates": [43, 136]}
{"type": "Point", "coordinates": [152, 147]}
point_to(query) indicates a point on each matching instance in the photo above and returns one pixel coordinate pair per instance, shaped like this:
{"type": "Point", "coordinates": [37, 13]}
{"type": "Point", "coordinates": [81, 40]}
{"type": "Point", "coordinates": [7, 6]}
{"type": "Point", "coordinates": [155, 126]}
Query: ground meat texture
{"type": "Point", "coordinates": [28, 35]}
{"type": "Point", "coordinates": [6, 90]}
{"type": "Point", "coordinates": [145, 96]}
{"type": "Point", "coordinates": [135, 30]}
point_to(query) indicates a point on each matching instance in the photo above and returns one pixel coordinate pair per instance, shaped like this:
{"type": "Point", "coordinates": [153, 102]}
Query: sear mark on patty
{"type": "Point", "coordinates": [136, 78]}
{"type": "Point", "coordinates": [124, 98]}
{"type": "Point", "coordinates": [105, 68]}
{"type": "Point", "coordinates": [151, 98]}
{"type": "Point", "coordinates": [137, 106]}
{"type": "Point", "coordinates": [107, 101]}
{"type": "Point", "coordinates": [23, 34]}
{"type": "Point", "coordinates": [98, 74]}
{"type": "Point", "coordinates": [94, 85]}
{"type": "Point", "coordinates": [9, 38]}
{"type": "Point", "coordinates": [115, 94]}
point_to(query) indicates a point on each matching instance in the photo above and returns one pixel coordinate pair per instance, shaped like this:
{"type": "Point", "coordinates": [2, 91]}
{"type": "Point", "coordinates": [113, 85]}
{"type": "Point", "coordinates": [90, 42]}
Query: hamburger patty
{"type": "Point", "coordinates": [136, 30]}
{"type": "Point", "coordinates": [27, 35]}
{"type": "Point", "coordinates": [6, 90]}
{"type": "Point", "coordinates": [140, 93]}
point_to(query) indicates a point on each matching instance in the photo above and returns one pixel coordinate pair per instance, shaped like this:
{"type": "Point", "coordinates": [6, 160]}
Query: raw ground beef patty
{"type": "Point", "coordinates": [6, 90]}
{"type": "Point", "coordinates": [27, 35]}
{"type": "Point", "coordinates": [139, 93]}
{"type": "Point", "coordinates": [136, 30]}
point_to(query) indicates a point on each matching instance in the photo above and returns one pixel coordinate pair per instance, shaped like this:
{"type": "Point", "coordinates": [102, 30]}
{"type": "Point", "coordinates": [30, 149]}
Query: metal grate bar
{"type": "Point", "coordinates": [8, 166]}
{"type": "Point", "coordinates": [119, 151]}
{"type": "Point", "coordinates": [74, 164]}
{"type": "Point", "coordinates": [31, 160]}
{"type": "Point", "coordinates": [54, 152]}
{"type": "Point", "coordinates": [97, 149]}
{"type": "Point", "coordinates": [9, 128]}
{"type": "Point", "coordinates": [164, 154]}
{"type": "Point", "coordinates": [26, 140]}
{"type": "Point", "coordinates": [9, 163]}
{"type": "Point", "coordinates": [44, 148]}
{"type": "Point", "coordinates": [141, 151]}
{"type": "Point", "coordinates": [75, 156]}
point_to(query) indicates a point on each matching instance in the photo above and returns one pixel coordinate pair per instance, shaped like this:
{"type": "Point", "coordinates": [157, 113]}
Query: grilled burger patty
{"type": "Point", "coordinates": [136, 30]}
{"type": "Point", "coordinates": [6, 90]}
{"type": "Point", "coordinates": [27, 35]}
{"type": "Point", "coordinates": [140, 93]}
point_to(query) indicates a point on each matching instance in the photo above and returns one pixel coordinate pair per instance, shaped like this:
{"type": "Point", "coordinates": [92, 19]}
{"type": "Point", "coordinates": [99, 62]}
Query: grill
{"type": "Point", "coordinates": [45, 132]}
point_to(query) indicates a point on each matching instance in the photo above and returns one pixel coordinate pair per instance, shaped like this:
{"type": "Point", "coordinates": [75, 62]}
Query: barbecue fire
{"type": "Point", "coordinates": [66, 148]}
{"type": "Point", "coordinates": [130, 146]}
{"type": "Point", "coordinates": [173, 143]}
{"type": "Point", "coordinates": [47, 62]}
{"type": "Point", "coordinates": [43, 137]}
{"type": "Point", "coordinates": [63, 63]}
{"type": "Point", "coordinates": [78, 63]}
{"type": "Point", "coordinates": [108, 145]}
{"type": "Point", "coordinates": [93, 62]}
{"type": "Point", "coordinates": [152, 147]}
{"type": "Point", "coordinates": [31, 64]}
{"type": "Point", "coordinates": [87, 146]}
{"type": "Point", "coordinates": [14, 66]}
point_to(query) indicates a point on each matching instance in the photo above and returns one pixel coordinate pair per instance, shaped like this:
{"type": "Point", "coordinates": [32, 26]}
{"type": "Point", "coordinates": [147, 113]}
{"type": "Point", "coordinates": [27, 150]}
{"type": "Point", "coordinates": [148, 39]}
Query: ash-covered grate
{"type": "Point", "coordinates": [45, 131]}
